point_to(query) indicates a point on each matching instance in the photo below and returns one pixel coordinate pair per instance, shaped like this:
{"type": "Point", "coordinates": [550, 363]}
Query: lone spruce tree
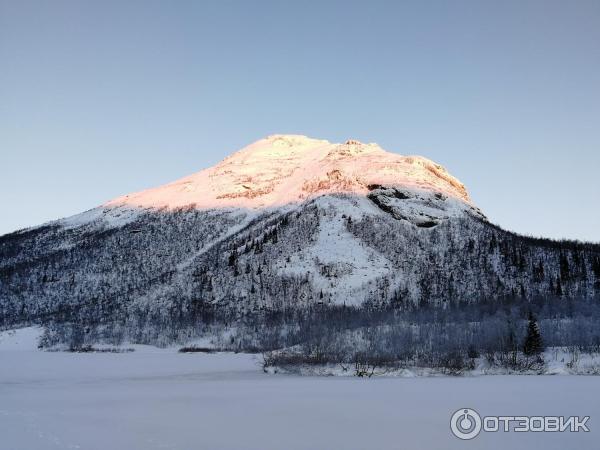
{"type": "Point", "coordinates": [533, 344]}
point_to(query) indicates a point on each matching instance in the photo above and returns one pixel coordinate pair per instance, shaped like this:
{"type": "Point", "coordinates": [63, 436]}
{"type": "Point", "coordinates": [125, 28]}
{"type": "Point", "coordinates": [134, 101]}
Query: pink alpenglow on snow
{"type": "Point", "coordinates": [284, 169]}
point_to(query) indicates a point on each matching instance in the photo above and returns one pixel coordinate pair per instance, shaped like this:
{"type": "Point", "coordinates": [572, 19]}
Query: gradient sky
{"type": "Point", "coordinates": [98, 99]}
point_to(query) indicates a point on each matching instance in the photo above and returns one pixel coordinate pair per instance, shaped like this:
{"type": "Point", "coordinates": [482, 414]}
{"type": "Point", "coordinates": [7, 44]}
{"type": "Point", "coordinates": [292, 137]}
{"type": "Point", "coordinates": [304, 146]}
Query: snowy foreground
{"type": "Point", "coordinates": [160, 399]}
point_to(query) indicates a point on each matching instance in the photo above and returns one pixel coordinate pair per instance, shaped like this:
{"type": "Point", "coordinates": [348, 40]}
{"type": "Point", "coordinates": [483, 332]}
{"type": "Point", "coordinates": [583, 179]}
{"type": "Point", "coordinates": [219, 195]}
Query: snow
{"type": "Point", "coordinates": [339, 264]}
{"type": "Point", "coordinates": [110, 217]}
{"type": "Point", "coordinates": [561, 361]}
{"type": "Point", "coordinates": [244, 219]}
{"type": "Point", "coordinates": [21, 339]}
{"type": "Point", "coordinates": [160, 399]}
{"type": "Point", "coordinates": [284, 169]}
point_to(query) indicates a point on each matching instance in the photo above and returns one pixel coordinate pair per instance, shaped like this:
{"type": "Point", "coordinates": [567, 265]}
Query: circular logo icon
{"type": "Point", "coordinates": [465, 423]}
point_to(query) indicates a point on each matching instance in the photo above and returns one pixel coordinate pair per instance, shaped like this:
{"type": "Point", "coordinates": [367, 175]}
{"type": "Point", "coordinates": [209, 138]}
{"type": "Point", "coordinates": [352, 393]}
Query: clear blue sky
{"type": "Point", "coordinates": [101, 98]}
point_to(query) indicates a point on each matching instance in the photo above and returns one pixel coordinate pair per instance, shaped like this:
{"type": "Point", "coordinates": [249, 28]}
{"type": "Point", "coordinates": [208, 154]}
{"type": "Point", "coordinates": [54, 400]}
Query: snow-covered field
{"type": "Point", "coordinates": [160, 399]}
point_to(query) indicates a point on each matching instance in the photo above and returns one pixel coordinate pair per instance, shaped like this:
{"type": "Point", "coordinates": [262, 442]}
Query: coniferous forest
{"type": "Point", "coordinates": [261, 282]}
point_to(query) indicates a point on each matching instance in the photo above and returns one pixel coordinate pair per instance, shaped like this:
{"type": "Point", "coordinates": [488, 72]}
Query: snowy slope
{"type": "Point", "coordinates": [338, 265]}
{"type": "Point", "coordinates": [285, 169]}
{"type": "Point", "coordinates": [21, 339]}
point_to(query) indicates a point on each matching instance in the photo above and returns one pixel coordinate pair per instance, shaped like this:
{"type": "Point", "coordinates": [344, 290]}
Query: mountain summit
{"type": "Point", "coordinates": [289, 169]}
{"type": "Point", "coordinates": [285, 225]}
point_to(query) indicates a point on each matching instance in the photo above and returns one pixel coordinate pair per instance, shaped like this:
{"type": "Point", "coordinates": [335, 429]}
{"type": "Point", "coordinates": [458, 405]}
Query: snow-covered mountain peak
{"type": "Point", "coordinates": [284, 169]}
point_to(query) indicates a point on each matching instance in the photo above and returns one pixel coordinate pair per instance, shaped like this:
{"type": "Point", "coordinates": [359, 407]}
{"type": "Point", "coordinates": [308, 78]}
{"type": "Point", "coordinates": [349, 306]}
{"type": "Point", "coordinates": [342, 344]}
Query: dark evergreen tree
{"type": "Point", "coordinates": [565, 272]}
{"type": "Point", "coordinates": [232, 258]}
{"type": "Point", "coordinates": [533, 340]}
{"type": "Point", "coordinates": [538, 272]}
{"type": "Point", "coordinates": [559, 290]}
{"type": "Point", "coordinates": [596, 267]}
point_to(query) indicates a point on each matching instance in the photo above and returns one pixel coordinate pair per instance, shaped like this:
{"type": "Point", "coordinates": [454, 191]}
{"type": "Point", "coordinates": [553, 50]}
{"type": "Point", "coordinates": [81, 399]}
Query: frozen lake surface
{"type": "Point", "coordinates": [159, 399]}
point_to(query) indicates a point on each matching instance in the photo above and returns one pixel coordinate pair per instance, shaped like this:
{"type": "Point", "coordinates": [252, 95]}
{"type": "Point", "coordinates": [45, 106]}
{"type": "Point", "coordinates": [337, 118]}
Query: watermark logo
{"type": "Point", "coordinates": [466, 423]}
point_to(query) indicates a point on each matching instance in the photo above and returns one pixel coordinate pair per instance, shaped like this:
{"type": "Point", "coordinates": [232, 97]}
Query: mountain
{"type": "Point", "coordinates": [281, 170]}
{"type": "Point", "coordinates": [284, 225]}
